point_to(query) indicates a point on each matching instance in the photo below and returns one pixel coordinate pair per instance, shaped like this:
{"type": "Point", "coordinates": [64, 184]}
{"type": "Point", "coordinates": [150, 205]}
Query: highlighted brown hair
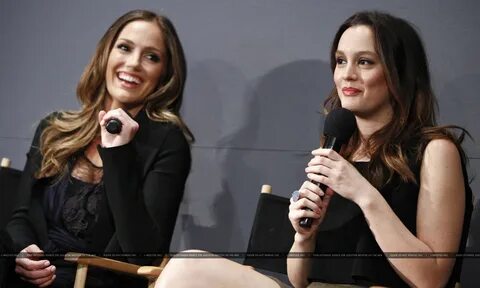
{"type": "Point", "coordinates": [73, 131]}
{"type": "Point", "coordinates": [414, 104]}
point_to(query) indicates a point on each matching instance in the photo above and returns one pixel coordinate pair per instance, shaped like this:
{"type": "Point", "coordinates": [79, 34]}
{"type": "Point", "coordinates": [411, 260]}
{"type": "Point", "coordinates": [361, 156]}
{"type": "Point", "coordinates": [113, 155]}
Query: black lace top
{"type": "Point", "coordinates": [72, 208]}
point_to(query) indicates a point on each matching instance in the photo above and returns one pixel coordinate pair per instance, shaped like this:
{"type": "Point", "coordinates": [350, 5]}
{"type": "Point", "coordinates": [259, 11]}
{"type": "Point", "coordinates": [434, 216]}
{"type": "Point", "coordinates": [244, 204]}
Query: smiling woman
{"type": "Point", "coordinates": [86, 190]}
{"type": "Point", "coordinates": [398, 188]}
{"type": "Point", "coordinates": [135, 65]}
{"type": "Point", "coordinates": [359, 76]}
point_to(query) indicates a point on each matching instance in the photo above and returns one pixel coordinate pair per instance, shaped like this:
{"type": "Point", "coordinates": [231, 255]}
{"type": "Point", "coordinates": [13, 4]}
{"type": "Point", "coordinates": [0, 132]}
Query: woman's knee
{"type": "Point", "coordinates": [188, 264]}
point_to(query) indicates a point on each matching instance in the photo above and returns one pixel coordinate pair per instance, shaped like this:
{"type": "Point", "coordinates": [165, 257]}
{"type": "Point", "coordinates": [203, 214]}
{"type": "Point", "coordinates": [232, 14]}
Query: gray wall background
{"type": "Point", "coordinates": [257, 75]}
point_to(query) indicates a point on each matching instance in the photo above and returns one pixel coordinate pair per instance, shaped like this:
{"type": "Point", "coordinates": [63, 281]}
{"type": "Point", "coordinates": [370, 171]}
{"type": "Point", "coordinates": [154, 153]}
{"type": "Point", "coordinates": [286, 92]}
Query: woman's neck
{"type": "Point", "coordinates": [367, 126]}
{"type": "Point", "coordinates": [91, 152]}
{"type": "Point", "coordinates": [360, 154]}
{"type": "Point", "coordinates": [111, 105]}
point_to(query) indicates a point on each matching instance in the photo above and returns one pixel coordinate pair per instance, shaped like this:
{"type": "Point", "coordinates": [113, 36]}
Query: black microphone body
{"type": "Point", "coordinates": [339, 127]}
{"type": "Point", "coordinates": [334, 144]}
{"type": "Point", "coordinates": [330, 143]}
{"type": "Point", "coordinates": [113, 126]}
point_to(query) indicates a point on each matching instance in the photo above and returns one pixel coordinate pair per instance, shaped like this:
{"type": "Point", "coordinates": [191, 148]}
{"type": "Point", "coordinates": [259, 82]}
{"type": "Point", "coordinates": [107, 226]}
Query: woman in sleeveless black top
{"type": "Point", "coordinates": [402, 204]}
{"type": "Point", "coordinates": [398, 195]}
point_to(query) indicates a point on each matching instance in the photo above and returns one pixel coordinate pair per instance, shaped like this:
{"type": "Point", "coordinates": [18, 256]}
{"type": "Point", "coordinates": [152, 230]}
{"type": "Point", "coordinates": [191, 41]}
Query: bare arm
{"type": "Point", "coordinates": [298, 268]}
{"type": "Point", "coordinates": [440, 212]}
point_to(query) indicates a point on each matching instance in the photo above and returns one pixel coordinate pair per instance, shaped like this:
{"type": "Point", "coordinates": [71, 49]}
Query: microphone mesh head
{"type": "Point", "coordinates": [340, 123]}
{"type": "Point", "coordinates": [114, 126]}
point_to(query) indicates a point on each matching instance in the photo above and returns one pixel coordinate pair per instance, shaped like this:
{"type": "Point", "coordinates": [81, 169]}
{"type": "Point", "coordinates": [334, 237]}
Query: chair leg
{"type": "Point", "coordinates": [81, 276]}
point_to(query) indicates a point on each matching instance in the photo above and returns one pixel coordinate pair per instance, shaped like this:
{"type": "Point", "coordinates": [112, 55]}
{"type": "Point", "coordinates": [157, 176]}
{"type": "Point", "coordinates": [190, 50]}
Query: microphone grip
{"type": "Point", "coordinates": [330, 143]}
{"type": "Point", "coordinates": [307, 222]}
{"type": "Point", "coordinates": [113, 126]}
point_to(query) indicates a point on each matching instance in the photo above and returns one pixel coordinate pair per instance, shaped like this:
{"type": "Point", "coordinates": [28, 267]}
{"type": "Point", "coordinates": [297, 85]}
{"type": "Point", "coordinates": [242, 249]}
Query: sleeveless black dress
{"type": "Point", "coordinates": [346, 250]}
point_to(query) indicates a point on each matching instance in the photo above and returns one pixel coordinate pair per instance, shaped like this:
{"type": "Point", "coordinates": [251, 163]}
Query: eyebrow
{"type": "Point", "coordinates": [147, 47]}
{"type": "Point", "coordinates": [358, 52]}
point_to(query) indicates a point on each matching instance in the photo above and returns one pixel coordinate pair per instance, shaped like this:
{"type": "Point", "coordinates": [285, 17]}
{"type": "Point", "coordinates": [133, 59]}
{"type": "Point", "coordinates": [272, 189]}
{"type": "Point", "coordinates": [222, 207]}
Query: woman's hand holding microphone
{"type": "Point", "coordinates": [312, 197]}
{"type": "Point", "coordinates": [121, 132]}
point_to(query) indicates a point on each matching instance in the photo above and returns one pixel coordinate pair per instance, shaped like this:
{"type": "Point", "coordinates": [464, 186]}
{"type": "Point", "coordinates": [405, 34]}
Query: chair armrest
{"type": "Point", "coordinates": [101, 262]}
{"type": "Point", "coordinates": [150, 272]}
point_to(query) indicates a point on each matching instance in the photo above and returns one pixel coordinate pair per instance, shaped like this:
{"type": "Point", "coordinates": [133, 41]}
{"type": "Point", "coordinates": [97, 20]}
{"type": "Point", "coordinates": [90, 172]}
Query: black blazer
{"type": "Point", "coordinates": [144, 184]}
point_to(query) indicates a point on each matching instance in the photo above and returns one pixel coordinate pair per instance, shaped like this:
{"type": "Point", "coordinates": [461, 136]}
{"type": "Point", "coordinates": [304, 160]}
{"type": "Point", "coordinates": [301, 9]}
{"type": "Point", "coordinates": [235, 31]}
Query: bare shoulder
{"type": "Point", "coordinates": [443, 150]}
{"type": "Point", "coordinates": [441, 166]}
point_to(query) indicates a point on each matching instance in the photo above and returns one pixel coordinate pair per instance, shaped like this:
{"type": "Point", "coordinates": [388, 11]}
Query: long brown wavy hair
{"type": "Point", "coordinates": [72, 131]}
{"type": "Point", "coordinates": [414, 104]}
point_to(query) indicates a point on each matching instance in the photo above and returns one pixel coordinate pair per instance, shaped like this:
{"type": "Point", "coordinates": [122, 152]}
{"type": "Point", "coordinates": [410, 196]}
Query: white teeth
{"type": "Point", "coordinates": [129, 78]}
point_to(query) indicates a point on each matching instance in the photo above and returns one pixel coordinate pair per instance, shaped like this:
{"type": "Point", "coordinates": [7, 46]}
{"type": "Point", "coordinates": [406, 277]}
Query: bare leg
{"type": "Point", "coordinates": [211, 273]}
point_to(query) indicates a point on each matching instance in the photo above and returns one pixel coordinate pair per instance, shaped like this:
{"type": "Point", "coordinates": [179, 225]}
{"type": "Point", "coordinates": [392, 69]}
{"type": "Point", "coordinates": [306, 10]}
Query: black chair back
{"type": "Point", "coordinates": [272, 235]}
{"type": "Point", "coordinates": [9, 180]}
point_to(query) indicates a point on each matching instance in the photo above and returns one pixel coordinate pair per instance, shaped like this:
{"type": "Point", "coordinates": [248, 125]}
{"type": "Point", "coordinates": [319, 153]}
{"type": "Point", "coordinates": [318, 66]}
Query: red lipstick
{"type": "Point", "coordinates": [350, 91]}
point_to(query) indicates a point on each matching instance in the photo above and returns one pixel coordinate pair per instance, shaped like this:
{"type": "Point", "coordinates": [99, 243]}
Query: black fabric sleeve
{"type": "Point", "coordinates": [145, 207]}
{"type": "Point", "coordinates": [20, 227]}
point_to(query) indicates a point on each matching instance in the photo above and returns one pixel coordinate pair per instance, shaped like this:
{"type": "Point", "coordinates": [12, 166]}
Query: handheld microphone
{"type": "Point", "coordinates": [113, 126]}
{"type": "Point", "coordinates": [337, 130]}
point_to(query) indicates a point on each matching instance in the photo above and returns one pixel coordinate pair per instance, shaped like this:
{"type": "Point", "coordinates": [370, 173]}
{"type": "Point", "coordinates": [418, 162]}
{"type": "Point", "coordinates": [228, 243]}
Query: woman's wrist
{"type": "Point", "coordinates": [368, 199]}
{"type": "Point", "coordinates": [306, 243]}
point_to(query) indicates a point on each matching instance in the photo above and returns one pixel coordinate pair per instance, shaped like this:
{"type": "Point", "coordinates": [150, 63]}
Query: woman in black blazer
{"type": "Point", "coordinates": [88, 190]}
